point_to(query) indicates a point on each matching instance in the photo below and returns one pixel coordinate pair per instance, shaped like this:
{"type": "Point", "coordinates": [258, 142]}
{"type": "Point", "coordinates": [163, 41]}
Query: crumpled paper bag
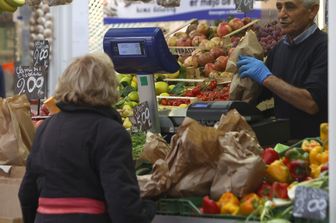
{"type": "Point", "coordinates": [244, 89]}
{"type": "Point", "coordinates": [240, 169]}
{"type": "Point", "coordinates": [202, 156]}
{"type": "Point", "coordinates": [16, 130]}
{"type": "Point", "coordinates": [193, 146]}
{"type": "Point", "coordinates": [233, 121]}
{"type": "Point", "coordinates": [155, 148]}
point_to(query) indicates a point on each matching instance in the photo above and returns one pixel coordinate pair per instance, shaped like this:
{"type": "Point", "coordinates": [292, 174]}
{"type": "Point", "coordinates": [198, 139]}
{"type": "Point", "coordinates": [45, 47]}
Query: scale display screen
{"type": "Point", "coordinates": [128, 48]}
{"type": "Point", "coordinates": [200, 105]}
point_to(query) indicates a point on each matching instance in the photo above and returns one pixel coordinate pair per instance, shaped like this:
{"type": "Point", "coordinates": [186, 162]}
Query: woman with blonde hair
{"type": "Point", "coordinates": [80, 168]}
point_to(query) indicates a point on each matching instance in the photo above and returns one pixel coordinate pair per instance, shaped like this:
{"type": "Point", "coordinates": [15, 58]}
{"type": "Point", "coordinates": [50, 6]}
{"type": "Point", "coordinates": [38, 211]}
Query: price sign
{"type": "Point", "coordinates": [310, 203]}
{"type": "Point", "coordinates": [141, 117]}
{"type": "Point", "coordinates": [41, 54]}
{"type": "Point", "coordinates": [30, 81]}
{"type": "Point", "coordinates": [244, 5]}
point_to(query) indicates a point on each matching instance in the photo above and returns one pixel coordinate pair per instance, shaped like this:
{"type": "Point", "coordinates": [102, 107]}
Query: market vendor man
{"type": "Point", "coordinates": [296, 70]}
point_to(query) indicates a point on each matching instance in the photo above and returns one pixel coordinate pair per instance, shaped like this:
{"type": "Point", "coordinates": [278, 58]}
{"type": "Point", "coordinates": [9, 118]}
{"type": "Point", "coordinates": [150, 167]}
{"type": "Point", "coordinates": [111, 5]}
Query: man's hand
{"type": "Point", "coordinates": [253, 68]}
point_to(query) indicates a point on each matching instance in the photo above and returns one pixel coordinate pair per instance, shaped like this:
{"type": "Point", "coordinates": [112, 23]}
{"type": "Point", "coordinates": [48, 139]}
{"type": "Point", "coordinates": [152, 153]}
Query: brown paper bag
{"type": "Point", "coordinates": [196, 183]}
{"type": "Point", "coordinates": [16, 130]}
{"type": "Point", "coordinates": [244, 89]}
{"type": "Point", "coordinates": [240, 168]}
{"type": "Point", "coordinates": [193, 147]}
{"type": "Point", "coordinates": [233, 121]}
{"type": "Point", "coordinates": [155, 148]}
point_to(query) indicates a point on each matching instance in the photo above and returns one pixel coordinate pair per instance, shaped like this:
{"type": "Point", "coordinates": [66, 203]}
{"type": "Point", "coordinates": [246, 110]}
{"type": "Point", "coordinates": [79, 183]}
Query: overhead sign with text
{"type": "Point", "coordinates": [128, 11]}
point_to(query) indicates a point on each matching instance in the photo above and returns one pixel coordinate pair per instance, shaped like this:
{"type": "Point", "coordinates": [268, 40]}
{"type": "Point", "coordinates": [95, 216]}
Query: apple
{"type": "Point", "coordinates": [184, 41]}
{"type": "Point", "coordinates": [236, 23]}
{"type": "Point", "coordinates": [205, 58]}
{"type": "Point", "coordinates": [220, 63]}
{"type": "Point", "coordinates": [203, 44]}
{"type": "Point", "coordinates": [196, 40]}
{"type": "Point", "coordinates": [223, 29]}
{"type": "Point", "coordinates": [194, 33]}
{"type": "Point", "coordinates": [217, 40]}
{"type": "Point", "coordinates": [172, 41]}
{"type": "Point", "coordinates": [208, 68]}
{"type": "Point", "coordinates": [246, 20]}
{"type": "Point", "coordinates": [203, 28]}
{"type": "Point", "coordinates": [217, 51]}
{"type": "Point", "coordinates": [191, 61]}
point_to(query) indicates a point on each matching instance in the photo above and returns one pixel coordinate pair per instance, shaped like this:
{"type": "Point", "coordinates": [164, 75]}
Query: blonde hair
{"type": "Point", "coordinates": [89, 80]}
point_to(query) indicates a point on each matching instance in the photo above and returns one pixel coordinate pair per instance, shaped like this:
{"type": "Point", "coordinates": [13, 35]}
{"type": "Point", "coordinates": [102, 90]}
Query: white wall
{"type": "Point", "coordinates": [71, 37]}
{"type": "Point", "coordinates": [332, 109]}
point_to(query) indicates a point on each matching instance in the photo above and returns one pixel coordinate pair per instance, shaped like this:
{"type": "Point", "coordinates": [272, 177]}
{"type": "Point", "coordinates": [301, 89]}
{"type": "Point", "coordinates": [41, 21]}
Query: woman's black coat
{"type": "Point", "coordinates": [83, 152]}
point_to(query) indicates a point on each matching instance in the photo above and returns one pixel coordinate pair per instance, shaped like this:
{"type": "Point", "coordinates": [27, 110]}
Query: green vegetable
{"type": "Point", "coordinates": [178, 89]}
{"type": "Point", "coordinates": [138, 142]}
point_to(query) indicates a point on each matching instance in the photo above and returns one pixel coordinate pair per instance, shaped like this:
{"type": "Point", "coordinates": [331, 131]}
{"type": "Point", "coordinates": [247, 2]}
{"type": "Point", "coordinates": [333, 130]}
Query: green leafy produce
{"type": "Point", "coordinates": [138, 142]}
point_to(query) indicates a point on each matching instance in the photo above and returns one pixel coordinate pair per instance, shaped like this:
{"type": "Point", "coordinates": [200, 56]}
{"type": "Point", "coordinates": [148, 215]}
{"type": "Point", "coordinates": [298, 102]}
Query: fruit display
{"type": "Point", "coordinates": [10, 5]}
{"type": "Point", "coordinates": [212, 46]}
{"type": "Point", "coordinates": [268, 35]}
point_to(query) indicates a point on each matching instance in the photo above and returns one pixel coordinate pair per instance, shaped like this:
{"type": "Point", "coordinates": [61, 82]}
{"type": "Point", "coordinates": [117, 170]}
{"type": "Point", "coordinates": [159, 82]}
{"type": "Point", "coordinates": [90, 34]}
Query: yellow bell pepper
{"type": "Point", "coordinates": [278, 171]}
{"type": "Point", "coordinates": [315, 170]}
{"type": "Point", "coordinates": [308, 145]}
{"type": "Point", "coordinates": [228, 204]}
{"type": "Point", "coordinates": [318, 156]}
{"type": "Point", "coordinates": [324, 135]}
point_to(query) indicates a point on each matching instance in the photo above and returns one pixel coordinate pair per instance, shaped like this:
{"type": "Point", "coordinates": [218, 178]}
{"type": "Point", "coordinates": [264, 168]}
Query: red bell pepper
{"type": "Point", "coordinates": [279, 190]}
{"type": "Point", "coordinates": [299, 170]}
{"type": "Point", "coordinates": [209, 206]}
{"type": "Point", "coordinates": [269, 155]}
{"type": "Point", "coordinates": [265, 190]}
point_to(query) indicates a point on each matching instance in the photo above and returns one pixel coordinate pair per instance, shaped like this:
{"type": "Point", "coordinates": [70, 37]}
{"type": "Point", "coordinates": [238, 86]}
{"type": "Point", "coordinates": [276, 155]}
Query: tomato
{"type": "Point", "coordinates": [164, 101]}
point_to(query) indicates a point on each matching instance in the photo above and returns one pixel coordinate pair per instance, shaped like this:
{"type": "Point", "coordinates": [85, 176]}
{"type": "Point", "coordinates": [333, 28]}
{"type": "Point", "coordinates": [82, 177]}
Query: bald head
{"type": "Point", "coordinates": [310, 3]}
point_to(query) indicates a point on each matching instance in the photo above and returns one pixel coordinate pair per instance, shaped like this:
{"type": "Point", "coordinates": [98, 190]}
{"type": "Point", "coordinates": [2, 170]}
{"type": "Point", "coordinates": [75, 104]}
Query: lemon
{"type": "Point", "coordinates": [134, 103]}
{"type": "Point", "coordinates": [133, 96]}
{"type": "Point", "coordinates": [134, 78]}
{"type": "Point", "coordinates": [161, 87]}
{"type": "Point", "coordinates": [134, 85]}
{"type": "Point", "coordinates": [164, 94]}
{"type": "Point", "coordinates": [170, 87]}
{"type": "Point", "coordinates": [127, 107]}
{"type": "Point", "coordinates": [125, 81]}
{"type": "Point", "coordinates": [183, 105]}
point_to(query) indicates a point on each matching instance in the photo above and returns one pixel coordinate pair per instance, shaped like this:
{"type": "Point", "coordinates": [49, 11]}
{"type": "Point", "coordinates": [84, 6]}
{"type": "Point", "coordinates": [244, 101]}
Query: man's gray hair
{"type": "Point", "coordinates": [310, 3]}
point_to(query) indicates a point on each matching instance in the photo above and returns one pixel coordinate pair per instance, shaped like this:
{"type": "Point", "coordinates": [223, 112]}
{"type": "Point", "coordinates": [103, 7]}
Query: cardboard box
{"type": "Point", "coordinates": [10, 210]}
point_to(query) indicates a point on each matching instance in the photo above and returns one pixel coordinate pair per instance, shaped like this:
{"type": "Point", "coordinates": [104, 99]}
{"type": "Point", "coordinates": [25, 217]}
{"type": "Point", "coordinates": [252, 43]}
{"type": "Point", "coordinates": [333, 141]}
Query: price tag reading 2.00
{"type": "Point", "coordinates": [142, 116]}
{"type": "Point", "coordinates": [41, 53]}
{"type": "Point", "coordinates": [30, 81]}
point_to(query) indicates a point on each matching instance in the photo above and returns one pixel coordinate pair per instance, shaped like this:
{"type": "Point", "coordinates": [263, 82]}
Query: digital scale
{"type": "Point", "coordinates": [141, 51]}
{"type": "Point", "coordinates": [144, 51]}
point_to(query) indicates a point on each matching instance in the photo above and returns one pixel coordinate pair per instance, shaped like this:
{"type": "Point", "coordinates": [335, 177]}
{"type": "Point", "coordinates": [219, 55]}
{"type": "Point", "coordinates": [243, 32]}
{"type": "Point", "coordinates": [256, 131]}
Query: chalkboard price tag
{"type": "Point", "coordinates": [141, 117]}
{"type": "Point", "coordinates": [244, 5]}
{"type": "Point", "coordinates": [30, 81]}
{"type": "Point", "coordinates": [41, 53]}
{"type": "Point", "coordinates": [310, 203]}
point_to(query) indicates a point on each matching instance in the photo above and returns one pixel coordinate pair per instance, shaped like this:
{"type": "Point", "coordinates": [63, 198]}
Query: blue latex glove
{"type": "Point", "coordinates": [253, 68]}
